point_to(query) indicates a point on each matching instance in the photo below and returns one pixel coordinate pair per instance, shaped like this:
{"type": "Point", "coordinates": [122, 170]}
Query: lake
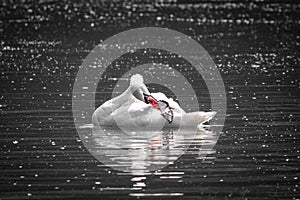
{"type": "Point", "coordinates": [255, 46]}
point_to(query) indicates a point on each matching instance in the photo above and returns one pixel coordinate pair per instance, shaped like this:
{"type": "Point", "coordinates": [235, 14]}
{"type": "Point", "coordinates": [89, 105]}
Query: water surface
{"type": "Point", "coordinates": [256, 48]}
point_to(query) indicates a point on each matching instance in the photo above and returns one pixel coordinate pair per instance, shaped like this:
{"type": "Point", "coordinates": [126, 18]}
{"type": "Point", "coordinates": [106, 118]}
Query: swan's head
{"type": "Point", "coordinates": [140, 91]}
{"type": "Point", "coordinates": [137, 87]}
{"type": "Point", "coordinates": [162, 96]}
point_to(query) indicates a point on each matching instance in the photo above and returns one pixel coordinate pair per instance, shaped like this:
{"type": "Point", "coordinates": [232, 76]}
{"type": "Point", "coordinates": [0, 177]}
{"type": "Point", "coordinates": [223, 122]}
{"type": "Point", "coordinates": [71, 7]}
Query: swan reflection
{"type": "Point", "coordinates": [143, 151]}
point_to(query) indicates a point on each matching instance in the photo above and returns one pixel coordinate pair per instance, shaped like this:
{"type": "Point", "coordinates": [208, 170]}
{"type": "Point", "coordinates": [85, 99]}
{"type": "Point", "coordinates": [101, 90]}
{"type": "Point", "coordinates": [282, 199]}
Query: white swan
{"type": "Point", "coordinates": [131, 111]}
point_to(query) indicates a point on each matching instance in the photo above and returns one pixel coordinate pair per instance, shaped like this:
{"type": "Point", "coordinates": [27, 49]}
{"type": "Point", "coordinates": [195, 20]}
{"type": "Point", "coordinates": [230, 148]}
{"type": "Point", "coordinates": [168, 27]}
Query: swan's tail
{"type": "Point", "coordinates": [196, 118]}
{"type": "Point", "coordinates": [205, 116]}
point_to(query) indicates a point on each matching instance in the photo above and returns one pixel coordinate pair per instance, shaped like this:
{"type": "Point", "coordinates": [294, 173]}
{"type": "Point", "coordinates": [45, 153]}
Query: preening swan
{"type": "Point", "coordinates": [137, 108]}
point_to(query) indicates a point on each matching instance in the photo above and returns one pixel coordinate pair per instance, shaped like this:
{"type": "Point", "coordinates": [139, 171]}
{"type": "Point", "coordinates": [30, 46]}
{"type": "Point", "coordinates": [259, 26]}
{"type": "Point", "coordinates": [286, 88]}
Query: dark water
{"type": "Point", "coordinates": [256, 48]}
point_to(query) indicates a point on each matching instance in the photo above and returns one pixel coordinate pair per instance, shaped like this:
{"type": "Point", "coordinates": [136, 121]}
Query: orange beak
{"type": "Point", "coordinates": [153, 102]}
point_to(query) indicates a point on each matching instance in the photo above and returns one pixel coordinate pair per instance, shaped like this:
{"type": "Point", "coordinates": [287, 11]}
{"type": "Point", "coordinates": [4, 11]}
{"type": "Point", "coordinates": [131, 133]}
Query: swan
{"type": "Point", "coordinates": [137, 108]}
